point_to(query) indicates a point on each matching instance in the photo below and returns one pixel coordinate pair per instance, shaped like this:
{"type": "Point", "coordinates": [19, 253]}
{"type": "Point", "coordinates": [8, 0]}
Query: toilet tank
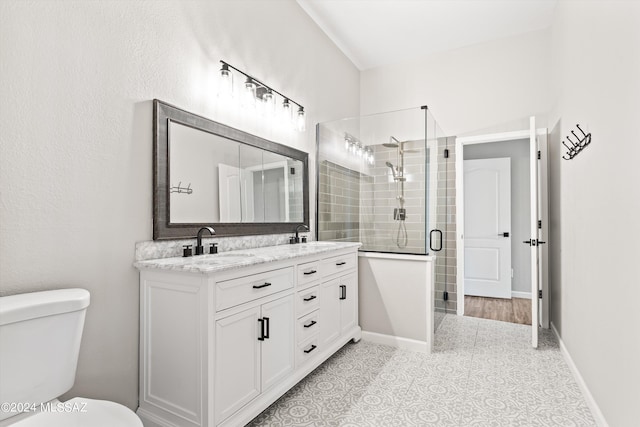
{"type": "Point", "coordinates": [40, 335]}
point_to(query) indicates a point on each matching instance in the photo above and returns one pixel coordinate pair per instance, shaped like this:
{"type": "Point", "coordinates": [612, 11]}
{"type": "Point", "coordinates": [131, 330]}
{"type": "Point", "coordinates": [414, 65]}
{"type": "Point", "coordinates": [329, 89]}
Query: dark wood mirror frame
{"type": "Point", "coordinates": [162, 228]}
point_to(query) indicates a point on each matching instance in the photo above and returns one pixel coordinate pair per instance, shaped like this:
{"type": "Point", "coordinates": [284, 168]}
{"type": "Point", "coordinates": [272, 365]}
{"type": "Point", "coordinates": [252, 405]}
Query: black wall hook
{"type": "Point", "coordinates": [578, 146]}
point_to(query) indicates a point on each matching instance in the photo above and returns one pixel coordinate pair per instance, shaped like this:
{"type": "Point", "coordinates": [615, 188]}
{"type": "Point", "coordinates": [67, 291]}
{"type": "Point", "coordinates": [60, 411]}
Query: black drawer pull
{"type": "Point", "coordinates": [343, 292]}
{"type": "Point", "coordinates": [313, 347]}
{"type": "Point", "coordinates": [311, 298]}
{"type": "Point", "coordinates": [266, 323]}
{"type": "Point", "coordinates": [306, 273]}
{"type": "Point", "coordinates": [261, 286]}
{"type": "Point", "coordinates": [341, 263]}
{"type": "Point", "coordinates": [313, 322]}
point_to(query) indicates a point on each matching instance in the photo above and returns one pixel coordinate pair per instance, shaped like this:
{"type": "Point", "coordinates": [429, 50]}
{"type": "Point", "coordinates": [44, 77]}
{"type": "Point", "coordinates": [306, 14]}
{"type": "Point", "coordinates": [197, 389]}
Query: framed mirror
{"type": "Point", "coordinates": [210, 174]}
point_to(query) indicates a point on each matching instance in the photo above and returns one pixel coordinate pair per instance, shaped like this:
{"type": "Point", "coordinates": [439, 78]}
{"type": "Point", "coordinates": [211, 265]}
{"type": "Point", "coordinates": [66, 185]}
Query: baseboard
{"type": "Point", "coordinates": [403, 343]}
{"type": "Point", "coordinates": [518, 294]}
{"type": "Point", "coordinates": [591, 403]}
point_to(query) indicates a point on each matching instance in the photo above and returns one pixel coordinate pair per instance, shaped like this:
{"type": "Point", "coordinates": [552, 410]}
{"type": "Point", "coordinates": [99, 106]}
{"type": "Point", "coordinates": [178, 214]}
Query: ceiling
{"type": "Point", "coordinates": [374, 33]}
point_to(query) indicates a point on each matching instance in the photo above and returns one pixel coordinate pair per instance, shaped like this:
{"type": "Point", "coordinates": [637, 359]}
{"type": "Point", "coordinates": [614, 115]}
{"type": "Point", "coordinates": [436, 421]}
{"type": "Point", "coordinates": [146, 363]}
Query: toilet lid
{"type": "Point", "coordinates": [81, 412]}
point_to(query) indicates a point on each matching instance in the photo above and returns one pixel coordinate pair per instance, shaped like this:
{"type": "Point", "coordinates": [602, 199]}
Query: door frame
{"type": "Point", "coordinates": [461, 142]}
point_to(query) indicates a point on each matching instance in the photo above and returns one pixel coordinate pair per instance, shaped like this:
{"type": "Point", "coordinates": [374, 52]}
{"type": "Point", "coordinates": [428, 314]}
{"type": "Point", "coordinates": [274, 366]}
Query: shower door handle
{"type": "Point", "coordinates": [435, 230]}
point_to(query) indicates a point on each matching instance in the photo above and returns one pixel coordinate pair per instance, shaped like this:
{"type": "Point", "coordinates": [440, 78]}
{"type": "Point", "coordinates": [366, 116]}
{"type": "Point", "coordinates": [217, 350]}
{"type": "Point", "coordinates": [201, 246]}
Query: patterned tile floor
{"type": "Point", "coordinates": [482, 373]}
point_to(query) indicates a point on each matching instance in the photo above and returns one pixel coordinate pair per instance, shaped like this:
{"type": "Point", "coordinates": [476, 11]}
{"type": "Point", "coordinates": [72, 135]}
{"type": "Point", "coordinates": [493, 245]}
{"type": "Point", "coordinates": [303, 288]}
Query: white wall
{"type": "Point", "coordinates": [595, 280]}
{"type": "Point", "coordinates": [518, 154]}
{"type": "Point", "coordinates": [484, 88]}
{"type": "Point", "coordinates": [77, 80]}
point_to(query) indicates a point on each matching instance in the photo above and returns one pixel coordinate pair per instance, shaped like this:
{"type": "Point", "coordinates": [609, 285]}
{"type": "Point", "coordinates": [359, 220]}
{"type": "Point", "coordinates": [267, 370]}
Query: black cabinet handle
{"type": "Point", "coordinates": [313, 322]}
{"type": "Point", "coordinates": [261, 286]}
{"type": "Point", "coordinates": [540, 242]}
{"type": "Point", "coordinates": [431, 240]}
{"type": "Point", "coordinates": [261, 337]}
{"type": "Point", "coordinates": [343, 292]}
{"type": "Point", "coordinates": [306, 273]}
{"type": "Point", "coordinates": [266, 323]}
{"type": "Point", "coordinates": [341, 263]}
{"type": "Point", "coordinates": [505, 234]}
{"type": "Point", "coordinates": [311, 298]}
{"type": "Point", "coordinates": [313, 347]}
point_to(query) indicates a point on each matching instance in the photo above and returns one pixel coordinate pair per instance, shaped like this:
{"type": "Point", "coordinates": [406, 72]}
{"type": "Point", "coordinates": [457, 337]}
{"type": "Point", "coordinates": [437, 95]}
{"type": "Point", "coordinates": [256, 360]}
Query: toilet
{"type": "Point", "coordinates": [40, 336]}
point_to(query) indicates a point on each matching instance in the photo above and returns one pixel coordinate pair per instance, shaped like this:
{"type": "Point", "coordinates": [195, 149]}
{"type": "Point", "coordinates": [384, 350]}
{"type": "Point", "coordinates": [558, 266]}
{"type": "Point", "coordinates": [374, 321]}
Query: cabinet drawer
{"type": "Point", "coordinates": [307, 326]}
{"type": "Point", "coordinates": [307, 300]}
{"type": "Point", "coordinates": [308, 272]}
{"type": "Point", "coordinates": [307, 350]}
{"type": "Point", "coordinates": [230, 293]}
{"type": "Point", "coordinates": [339, 264]}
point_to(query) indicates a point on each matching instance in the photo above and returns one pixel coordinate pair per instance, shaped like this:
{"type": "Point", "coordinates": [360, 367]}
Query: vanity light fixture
{"type": "Point", "coordinates": [256, 93]}
{"type": "Point", "coordinates": [356, 148]}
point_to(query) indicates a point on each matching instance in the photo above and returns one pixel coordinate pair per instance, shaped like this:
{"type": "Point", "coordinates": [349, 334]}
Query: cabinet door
{"type": "Point", "coordinates": [329, 312]}
{"type": "Point", "coordinates": [237, 364]}
{"type": "Point", "coordinates": [278, 345]}
{"type": "Point", "coordinates": [348, 303]}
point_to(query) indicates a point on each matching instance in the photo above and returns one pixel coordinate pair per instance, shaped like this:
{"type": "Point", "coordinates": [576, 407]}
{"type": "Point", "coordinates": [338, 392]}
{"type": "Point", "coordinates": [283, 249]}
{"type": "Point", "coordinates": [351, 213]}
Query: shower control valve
{"type": "Point", "coordinates": [399, 214]}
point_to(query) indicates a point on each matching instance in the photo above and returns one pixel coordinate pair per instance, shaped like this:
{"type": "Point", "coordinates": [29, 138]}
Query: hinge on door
{"type": "Point", "coordinates": [539, 293]}
{"type": "Point", "coordinates": [539, 155]}
{"type": "Point", "coordinates": [446, 153]}
{"type": "Point", "coordinates": [540, 224]}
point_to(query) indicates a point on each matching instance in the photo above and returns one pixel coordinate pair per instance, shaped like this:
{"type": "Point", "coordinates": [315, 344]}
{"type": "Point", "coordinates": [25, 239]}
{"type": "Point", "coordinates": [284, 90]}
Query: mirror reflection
{"type": "Point", "coordinates": [224, 181]}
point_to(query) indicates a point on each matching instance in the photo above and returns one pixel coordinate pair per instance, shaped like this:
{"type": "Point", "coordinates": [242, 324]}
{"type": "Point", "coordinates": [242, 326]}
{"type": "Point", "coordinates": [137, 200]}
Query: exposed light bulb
{"type": "Point", "coordinates": [301, 122]}
{"type": "Point", "coordinates": [285, 113]}
{"type": "Point", "coordinates": [225, 91]}
{"type": "Point", "coordinates": [249, 93]}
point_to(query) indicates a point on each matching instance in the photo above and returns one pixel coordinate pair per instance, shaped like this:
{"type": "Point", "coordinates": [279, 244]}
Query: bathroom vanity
{"type": "Point", "coordinates": [223, 336]}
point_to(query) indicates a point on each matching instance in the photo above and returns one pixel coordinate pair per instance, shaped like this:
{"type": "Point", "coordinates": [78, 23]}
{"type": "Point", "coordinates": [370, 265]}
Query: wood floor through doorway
{"type": "Point", "coordinates": [514, 310]}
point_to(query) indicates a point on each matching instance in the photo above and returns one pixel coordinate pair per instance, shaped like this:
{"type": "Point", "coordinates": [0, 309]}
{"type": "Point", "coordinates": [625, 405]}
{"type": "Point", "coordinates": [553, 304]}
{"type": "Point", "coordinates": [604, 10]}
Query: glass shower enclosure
{"type": "Point", "coordinates": [379, 183]}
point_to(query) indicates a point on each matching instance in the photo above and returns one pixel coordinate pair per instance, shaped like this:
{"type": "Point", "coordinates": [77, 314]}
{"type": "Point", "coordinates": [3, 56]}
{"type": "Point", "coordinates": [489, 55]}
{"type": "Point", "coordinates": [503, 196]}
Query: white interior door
{"type": "Point", "coordinates": [533, 182]}
{"type": "Point", "coordinates": [487, 225]}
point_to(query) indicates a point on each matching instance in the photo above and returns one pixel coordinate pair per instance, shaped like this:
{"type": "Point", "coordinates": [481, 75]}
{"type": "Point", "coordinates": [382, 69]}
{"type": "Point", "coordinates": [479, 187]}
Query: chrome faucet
{"type": "Point", "coordinates": [297, 238]}
{"type": "Point", "coordinates": [199, 248]}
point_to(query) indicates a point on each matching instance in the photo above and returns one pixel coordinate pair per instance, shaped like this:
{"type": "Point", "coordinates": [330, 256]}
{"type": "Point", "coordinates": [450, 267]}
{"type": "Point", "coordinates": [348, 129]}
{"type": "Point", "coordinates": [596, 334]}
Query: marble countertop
{"type": "Point", "coordinates": [207, 264]}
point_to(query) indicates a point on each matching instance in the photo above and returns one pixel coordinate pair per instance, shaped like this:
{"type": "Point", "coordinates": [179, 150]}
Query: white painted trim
{"type": "Point", "coordinates": [497, 137]}
{"type": "Point", "coordinates": [460, 143]}
{"type": "Point", "coordinates": [518, 294]}
{"type": "Point", "coordinates": [588, 397]}
{"type": "Point", "coordinates": [406, 257]}
{"type": "Point", "coordinates": [400, 342]}
{"type": "Point", "coordinates": [460, 225]}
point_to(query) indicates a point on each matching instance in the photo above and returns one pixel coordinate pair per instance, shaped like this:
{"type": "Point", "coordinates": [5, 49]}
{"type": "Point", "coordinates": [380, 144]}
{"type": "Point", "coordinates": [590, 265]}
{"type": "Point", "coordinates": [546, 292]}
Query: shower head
{"type": "Point", "coordinates": [393, 143]}
{"type": "Point", "coordinates": [393, 171]}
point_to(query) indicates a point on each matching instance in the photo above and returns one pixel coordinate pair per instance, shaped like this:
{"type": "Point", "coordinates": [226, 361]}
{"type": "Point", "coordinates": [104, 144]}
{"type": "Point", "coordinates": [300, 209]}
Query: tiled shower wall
{"type": "Point", "coordinates": [338, 203]}
{"type": "Point", "coordinates": [380, 196]}
{"type": "Point", "coordinates": [446, 264]}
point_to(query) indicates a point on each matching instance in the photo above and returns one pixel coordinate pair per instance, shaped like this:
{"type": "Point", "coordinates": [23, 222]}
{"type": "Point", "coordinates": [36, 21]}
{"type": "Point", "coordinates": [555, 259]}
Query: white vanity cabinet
{"type": "Point", "coordinates": [223, 337]}
{"type": "Point", "coordinates": [254, 351]}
